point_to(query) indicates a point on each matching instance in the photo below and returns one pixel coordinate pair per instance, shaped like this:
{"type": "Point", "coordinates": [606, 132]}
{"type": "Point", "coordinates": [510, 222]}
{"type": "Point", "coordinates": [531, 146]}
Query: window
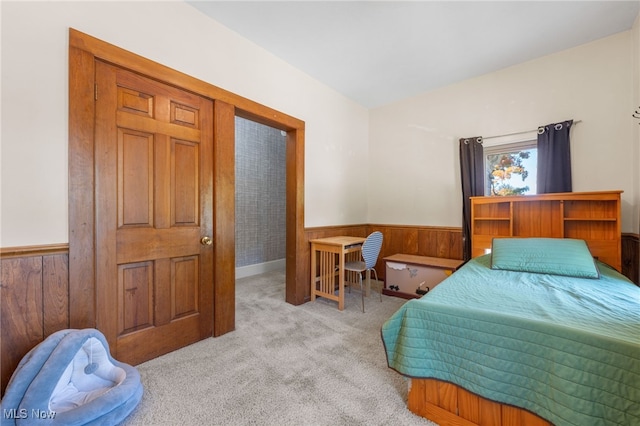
{"type": "Point", "coordinates": [510, 169]}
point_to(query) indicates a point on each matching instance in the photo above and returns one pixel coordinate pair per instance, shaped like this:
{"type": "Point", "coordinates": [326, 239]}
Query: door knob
{"type": "Point", "coordinates": [206, 241]}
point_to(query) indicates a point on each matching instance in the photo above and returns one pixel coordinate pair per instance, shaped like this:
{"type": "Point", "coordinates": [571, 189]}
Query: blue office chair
{"type": "Point", "coordinates": [370, 252]}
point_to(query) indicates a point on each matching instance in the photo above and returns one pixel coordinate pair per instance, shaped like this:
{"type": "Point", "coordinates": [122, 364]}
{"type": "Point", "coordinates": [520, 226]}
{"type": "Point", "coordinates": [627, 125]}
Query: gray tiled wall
{"type": "Point", "coordinates": [260, 193]}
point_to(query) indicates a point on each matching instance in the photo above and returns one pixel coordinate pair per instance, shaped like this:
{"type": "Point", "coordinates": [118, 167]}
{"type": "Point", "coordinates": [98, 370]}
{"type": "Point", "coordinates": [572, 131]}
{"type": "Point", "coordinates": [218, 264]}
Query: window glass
{"type": "Point", "coordinates": [510, 169]}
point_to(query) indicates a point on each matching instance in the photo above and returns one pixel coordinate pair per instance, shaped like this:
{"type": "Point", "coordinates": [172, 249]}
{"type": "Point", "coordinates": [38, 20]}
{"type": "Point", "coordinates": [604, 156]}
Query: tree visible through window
{"type": "Point", "coordinates": [511, 169]}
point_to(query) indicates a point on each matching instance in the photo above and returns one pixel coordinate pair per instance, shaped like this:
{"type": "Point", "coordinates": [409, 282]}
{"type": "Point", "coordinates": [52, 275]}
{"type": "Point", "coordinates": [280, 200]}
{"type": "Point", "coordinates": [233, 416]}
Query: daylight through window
{"type": "Point", "coordinates": [510, 169]}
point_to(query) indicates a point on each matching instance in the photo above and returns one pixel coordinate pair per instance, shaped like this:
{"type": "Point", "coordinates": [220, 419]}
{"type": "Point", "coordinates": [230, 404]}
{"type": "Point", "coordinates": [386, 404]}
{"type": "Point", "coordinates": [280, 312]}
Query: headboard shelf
{"type": "Point", "coordinates": [592, 219]}
{"type": "Point", "coordinates": [590, 216]}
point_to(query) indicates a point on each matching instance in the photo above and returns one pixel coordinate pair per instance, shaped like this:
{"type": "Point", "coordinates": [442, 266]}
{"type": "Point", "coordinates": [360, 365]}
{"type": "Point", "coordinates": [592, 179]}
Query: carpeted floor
{"type": "Point", "coordinates": [283, 365]}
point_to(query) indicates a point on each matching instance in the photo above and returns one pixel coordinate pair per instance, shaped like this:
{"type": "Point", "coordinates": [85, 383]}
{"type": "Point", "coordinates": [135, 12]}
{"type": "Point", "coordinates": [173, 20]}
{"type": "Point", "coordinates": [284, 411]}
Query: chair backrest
{"type": "Point", "coordinates": [371, 249]}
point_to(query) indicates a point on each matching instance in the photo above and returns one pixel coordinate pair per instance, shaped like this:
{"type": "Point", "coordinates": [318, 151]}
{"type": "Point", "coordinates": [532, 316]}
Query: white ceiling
{"type": "Point", "coordinates": [378, 52]}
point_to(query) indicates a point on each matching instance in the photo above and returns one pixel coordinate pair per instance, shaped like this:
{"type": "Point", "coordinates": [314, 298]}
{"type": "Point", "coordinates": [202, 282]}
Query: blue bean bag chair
{"type": "Point", "coordinates": [71, 379]}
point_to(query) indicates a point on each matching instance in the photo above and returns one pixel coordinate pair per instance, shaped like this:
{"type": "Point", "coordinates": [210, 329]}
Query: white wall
{"type": "Point", "coordinates": [35, 103]}
{"type": "Point", "coordinates": [409, 149]}
{"type": "Point", "coordinates": [414, 143]}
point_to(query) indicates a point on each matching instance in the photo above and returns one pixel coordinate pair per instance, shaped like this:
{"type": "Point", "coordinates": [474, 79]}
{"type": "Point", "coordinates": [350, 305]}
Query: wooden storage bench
{"type": "Point", "coordinates": [411, 276]}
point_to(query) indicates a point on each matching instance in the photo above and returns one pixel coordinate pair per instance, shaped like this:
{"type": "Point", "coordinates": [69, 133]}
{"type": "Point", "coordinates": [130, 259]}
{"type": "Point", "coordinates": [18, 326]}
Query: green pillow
{"type": "Point", "coordinates": [557, 256]}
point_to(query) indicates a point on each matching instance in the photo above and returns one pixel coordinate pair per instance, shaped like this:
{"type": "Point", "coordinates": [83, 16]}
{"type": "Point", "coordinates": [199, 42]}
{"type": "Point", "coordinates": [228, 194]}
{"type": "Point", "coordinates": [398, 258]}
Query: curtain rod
{"type": "Point", "coordinates": [520, 133]}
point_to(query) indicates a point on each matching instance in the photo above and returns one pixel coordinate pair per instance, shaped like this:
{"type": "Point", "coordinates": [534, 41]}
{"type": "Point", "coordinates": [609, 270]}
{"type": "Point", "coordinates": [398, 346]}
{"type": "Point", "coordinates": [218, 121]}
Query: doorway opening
{"type": "Point", "coordinates": [260, 159]}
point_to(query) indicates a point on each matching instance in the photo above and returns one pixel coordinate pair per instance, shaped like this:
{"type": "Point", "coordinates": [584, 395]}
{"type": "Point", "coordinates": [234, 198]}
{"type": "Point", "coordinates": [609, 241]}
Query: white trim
{"type": "Point", "coordinates": [260, 268]}
{"type": "Point", "coordinates": [510, 147]}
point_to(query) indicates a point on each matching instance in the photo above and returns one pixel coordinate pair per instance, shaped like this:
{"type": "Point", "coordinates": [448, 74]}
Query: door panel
{"type": "Point", "coordinates": [184, 174]}
{"type": "Point", "coordinates": [154, 166]}
{"type": "Point", "coordinates": [135, 292]}
{"type": "Point", "coordinates": [184, 274]}
{"type": "Point", "coordinates": [135, 178]}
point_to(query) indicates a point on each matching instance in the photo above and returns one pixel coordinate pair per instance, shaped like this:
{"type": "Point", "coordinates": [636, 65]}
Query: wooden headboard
{"type": "Point", "coordinates": [590, 216]}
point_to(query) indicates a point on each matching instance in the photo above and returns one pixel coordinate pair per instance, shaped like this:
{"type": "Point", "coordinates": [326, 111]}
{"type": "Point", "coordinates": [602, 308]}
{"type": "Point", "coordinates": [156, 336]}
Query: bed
{"type": "Point", "coordinates": [500, 344]}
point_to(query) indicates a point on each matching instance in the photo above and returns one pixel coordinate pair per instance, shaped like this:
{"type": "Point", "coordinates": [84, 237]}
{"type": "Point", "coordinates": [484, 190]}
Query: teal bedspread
{"type": "Point", "coordinates": [567, 349]}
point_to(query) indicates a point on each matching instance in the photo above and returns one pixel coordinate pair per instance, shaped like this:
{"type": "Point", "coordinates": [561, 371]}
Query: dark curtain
{"type": "Point", "coordinates": [554, 158]}
{"type": "Point", "coordinates": [472, 174]}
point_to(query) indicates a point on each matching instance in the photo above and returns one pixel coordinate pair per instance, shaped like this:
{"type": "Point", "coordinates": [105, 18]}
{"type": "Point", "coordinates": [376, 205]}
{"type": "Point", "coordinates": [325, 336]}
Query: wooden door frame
{"type": "Point", "coordinates": [84, 50]}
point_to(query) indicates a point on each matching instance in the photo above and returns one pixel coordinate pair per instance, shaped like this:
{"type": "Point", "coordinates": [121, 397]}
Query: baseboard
{"type": "Point", "coordinates": [260, 268]}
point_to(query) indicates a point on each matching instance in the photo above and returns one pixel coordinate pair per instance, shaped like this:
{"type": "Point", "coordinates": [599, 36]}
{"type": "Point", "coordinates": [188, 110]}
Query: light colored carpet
{"type": "Point", "coordinates": [283, 365]}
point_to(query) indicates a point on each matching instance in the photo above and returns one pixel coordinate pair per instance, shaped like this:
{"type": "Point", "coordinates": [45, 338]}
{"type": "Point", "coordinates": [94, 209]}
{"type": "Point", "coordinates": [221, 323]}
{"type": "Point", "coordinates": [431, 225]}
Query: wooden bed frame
{"type": "Point", "coordinates": [591, 216]}
{"type": "Point", "coordinates": [448, 405]}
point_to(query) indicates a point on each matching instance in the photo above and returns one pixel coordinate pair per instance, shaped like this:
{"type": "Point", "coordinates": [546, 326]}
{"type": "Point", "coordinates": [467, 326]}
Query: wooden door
{"type": "Point", "coordinates": [154, 191]}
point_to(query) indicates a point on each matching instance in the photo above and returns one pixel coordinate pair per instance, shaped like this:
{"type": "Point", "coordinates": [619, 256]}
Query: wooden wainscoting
{"type": "Point", "coordinates": [430, 241]}
{"type": "Point", "coordinates": [34, 300]}
{"type": "Point", "coordinates": [631, 257]}
{"type": "Point", "coordinates": [445, 242]}
{"type": "Point", "coordinates": [34, 281]}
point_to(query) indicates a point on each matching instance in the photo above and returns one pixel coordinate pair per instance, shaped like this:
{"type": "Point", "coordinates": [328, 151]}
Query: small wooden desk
{"type": "Point", "coordinates": [328, 250]}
